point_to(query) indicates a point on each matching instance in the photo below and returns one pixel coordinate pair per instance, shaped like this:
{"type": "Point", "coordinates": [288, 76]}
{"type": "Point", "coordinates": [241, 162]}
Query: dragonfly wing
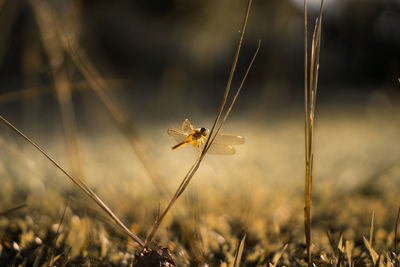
{"type": "Point", "coordinates": [220, 149]}
{"type": "Point", "coordinates": [187, 127]}
{"type": "Point", "coordinates": [178, 135]}
{"type": "Point", "coordinates": [230, 139]}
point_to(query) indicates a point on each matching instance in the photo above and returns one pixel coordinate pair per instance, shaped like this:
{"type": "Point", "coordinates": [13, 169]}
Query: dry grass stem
{"type": "Point", "coordinates": [78, 182]}
{"type": "Point", "coordinates": [371, 230]}
{"type": "Point", "coordinates": [67, 38]}
{"type": "Point", "coordinates": [239, 251]}
{"type": "Point", "coordinates": [231, 74]}
{"type": "Point", "coordinates": [372, 253]}
{"type": "Point", "coordinates": [237, 93]}
{"type": "Point", "coordinates": [124, 124]}
{"type": "Point", "coordinates": [62, 85]}
{"type": "Point", "coordinates": [277, 256]}
{"type": "Point", "coordinates": [57, 234]}
{"type": "Point", "coordinates": [188, 177]}
{"type": "Point", "coordinates": [41, 90]}
{"type": "Point", "coordinates": [395, 230]}
{"type": "Point", "coordinates": [310, 92]}
{"type": "Point", "coordinates": [11, 210]}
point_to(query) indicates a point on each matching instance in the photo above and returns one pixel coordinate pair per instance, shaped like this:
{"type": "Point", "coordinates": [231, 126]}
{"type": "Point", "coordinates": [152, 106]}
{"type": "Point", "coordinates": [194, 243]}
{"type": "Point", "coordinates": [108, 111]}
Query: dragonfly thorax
{"type": "Point", "coordinates": [200, 133]}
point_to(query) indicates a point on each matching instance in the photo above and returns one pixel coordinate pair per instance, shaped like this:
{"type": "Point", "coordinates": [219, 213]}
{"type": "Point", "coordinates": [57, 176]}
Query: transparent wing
{"type": "Point", "coordinates": [178, 135]}
{"type": "Point", "coordinates": [187, 127]}
{"type": "Point", "coordinates": [229, 139]}
{"type": "Point", "coordinates": [220, 149]}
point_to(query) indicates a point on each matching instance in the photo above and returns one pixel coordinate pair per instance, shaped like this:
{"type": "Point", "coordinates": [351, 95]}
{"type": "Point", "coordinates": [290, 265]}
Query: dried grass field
{"type": "Point", "coordinates": [88, 176]}
{"type": "Point", "coordinates": [257, 191]}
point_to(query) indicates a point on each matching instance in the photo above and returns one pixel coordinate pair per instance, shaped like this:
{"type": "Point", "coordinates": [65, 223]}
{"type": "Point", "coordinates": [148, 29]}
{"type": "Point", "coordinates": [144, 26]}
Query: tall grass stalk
{"type": "Point", "coordinates": [66, 33]}
{"type": "Point", "coordinates": [26, 93]}
{"type": "Point", "coordinates": [120, 117]}
{"type": "Point", "coordinates": [214, 130]}
{"type": "Point", "coordinates": [310, 92]}
{"type": "Point", "coordinates": [395, 228]}
{"type": "Point", "coordinates": [79, 183]}
{"type": "Point", "coordinates": [62, 85]}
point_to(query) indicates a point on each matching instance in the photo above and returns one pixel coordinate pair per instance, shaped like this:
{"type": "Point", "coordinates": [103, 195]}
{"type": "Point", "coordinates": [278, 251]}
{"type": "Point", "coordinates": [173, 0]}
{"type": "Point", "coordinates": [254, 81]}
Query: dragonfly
{"type": "Point", "coordinates": [222, 144]}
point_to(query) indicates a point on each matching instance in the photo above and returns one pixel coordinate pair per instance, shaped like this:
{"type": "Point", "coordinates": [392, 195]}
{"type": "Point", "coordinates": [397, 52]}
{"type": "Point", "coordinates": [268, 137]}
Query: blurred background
{"type": "Point", "coordinates": [178, 53]}
{"type": "Point", "coordinates": [81, 76]}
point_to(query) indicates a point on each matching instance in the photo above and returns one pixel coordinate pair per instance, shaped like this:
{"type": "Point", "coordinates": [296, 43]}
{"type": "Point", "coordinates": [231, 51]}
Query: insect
{"type": "Point", "coordinates": [198, 137]}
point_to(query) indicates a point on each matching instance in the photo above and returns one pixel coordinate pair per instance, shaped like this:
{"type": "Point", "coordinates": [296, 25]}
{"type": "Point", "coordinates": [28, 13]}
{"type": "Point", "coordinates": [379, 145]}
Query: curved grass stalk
{"type": "Point", "coordinates": [213, 132]}
{"type": "Point", "coordinates": [79, 183]}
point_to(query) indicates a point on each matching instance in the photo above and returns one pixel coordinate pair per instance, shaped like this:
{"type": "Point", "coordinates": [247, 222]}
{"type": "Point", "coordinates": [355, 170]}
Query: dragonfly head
{"type": "Point", "coordinates": [204, 131]}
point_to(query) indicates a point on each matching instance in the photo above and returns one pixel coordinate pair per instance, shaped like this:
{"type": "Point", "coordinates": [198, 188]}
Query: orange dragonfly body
{"type": "Point", "coordinates": [198, 137]}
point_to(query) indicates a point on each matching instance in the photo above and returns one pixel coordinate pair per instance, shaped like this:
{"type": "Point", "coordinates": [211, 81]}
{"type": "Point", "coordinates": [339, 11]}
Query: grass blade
{"type": "Point", "coordinates": [62, 85]}
{"type": "Point", "coordinates": [188, 177]}
{"type": "Point", "coordinates": [239, 252]}
{"type": "Point", "coordinates": [372, 253]}
{"type": "Point", "coordinates": [79, 183]}
{"type": "Point", "coordinates": [237, 92]}
{"type": "Point", "coordinates": [310, 92]}
{"type": "Point", "coordinates": [122, 121]}
{"type": "Point", "coordinates": [229, 83]}
{"type": "Point", "coordinates": [395, 230]}
{"type": "Point", "coordinates": [277, 256]}
{"type": "Point", "coordinates": [66, 35]}
{"type": "Point", "coordinates": [11, 210]}
{"type": "Point", "coordinates": [371, 230]}
{"type": "Point", "coordinates": [349, 247]}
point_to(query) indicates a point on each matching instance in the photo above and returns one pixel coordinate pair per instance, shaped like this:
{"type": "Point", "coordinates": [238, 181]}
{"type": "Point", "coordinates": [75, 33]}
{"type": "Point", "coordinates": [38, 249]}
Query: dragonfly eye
{"type": "Point", "coordinates": [204, 131]}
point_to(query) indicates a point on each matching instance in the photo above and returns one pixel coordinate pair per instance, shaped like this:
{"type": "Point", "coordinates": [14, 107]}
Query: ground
{"type": "Point", "coordinates": [258, 191]}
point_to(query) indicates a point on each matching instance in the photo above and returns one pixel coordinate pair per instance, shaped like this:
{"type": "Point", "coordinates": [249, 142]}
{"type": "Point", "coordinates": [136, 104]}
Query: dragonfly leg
{"type": "Point", "coordinates": [195, 143]}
